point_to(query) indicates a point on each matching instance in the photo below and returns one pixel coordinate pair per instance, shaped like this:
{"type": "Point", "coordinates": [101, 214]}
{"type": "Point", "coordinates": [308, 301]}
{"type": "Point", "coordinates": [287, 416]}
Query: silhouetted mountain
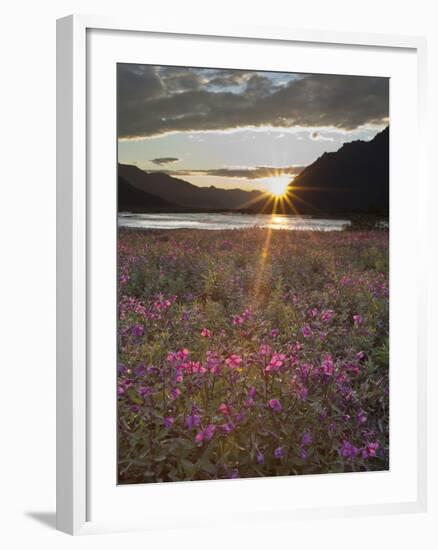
{"type": "Point", "coordinates": [183, 193]}
{"type": "Point", "coordinates": [353, 179]}
{"type": "Point", "coordinates": [131, 198]}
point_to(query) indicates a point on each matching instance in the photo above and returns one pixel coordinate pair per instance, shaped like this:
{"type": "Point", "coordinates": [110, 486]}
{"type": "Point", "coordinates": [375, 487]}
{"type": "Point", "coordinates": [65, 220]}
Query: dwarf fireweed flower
{"type": "Point", "coordinates": [137, 331]}
{"type": "Point", "coordinates": [168, 421]}
{"type": "Point", "coordinates": [357, 319]}
{"type": "Point", "coordinates": [121, 368]}
{"type": "Point", "coordinates": [260, 458]}
{"type": "Point", "coordinates": [213, 362]}
{"type": "Point", "coordinates": [327, 315]}
{"type": "Point", "coordinates": [302, 393]}
{"type": "Point", "coordinates": [352, 368]}
{"type": "Point", "coordinates": [162, 304]}
{"type": "Point", "coordinates": [182, 354]}
{"type": "Point", "coordinates": [361, 416]}
{"type": "Point", "coordinates": [326, 367]}
{"type": "Point", "coordinates": [140, 370]}
{"type": "Point", "coordinates": [209, 431]}
{"type": "Point", "coordinates": [306, 331]}
{"type": "Point", "coordinates": [278, 453]}
{"type": "Point", "coordinates": [348, 450]}
{"type": "Point", "coordinates": [206, 333]}
{"type": "Point", "coordinates": [305, 370]}
{"type": "Point", "coordinates": [276, 362]}
{"type": "Point", "coordinates": [274, 333]}
{"type": "Point", "coordinates": [233, 361]}
{"type": "Point", "coordinates": [252, 392]}
{"type": "Point", "coordinates": [193, 421]}
{"type": "Point", "coordinates": [247, 314]}
{"type": "Point", "coordinates": [175, 393]}
{"type": "Point", "coordinates": [275, 405]}
{"type": "Point", "coordinates": [238, 320]}
{"type": "Point", "coordinates": [195, 367]}
{"type": "Point", "coordinates": [227, 428]}
{"type": "Point", "coordinates": [144, 391]}
{"type": "Point", "coordinates": [265, 349]}
{"type": "Point", "coordinates": [306, 438]}
{"type": "Point", "coordinates": [370, 450]}
{"type": "Point", "coordinates": [205, 435]}
{"type": "Point", "coordinates": [224, 409]}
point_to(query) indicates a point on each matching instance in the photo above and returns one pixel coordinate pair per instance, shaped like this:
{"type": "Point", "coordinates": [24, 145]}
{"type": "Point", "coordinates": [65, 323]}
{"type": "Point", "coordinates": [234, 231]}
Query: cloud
{"type": "Point", "coordinates": [164, 160]}
{"type": "Point", "coordinates": [137, 83]}
{"type": "Point", "coordinates": [155, 100]}
{"type": "Point", "coordinates": [227, 78]}
{"type": "Point", "coordinates": [250, 173]}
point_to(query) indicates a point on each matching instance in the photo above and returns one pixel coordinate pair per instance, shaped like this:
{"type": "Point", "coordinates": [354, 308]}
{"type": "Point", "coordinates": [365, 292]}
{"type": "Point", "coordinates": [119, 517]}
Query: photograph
{"type": "Point", "coordinates": [252, 273]}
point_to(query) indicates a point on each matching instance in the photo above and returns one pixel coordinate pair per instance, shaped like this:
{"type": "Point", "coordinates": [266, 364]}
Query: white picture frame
{"type": "Point", "coordinates": [75, 225]}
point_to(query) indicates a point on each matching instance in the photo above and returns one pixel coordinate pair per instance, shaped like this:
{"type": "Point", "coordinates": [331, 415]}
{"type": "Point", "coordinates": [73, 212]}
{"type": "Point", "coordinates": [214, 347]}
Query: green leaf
{"type": "Point", "coordinates": [207, 466]}
{"type": "Point", "coordinates": [134, 397]}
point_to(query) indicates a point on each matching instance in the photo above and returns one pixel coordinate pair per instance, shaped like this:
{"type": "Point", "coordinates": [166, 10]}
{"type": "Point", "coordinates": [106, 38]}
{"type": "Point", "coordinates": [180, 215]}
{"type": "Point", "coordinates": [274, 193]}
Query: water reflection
{"type": "Point", "coordinates": [228, 221]}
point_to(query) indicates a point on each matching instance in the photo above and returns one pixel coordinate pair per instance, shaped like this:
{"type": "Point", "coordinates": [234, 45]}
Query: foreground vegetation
{"type": "Point", "coordinates": [251, 353]}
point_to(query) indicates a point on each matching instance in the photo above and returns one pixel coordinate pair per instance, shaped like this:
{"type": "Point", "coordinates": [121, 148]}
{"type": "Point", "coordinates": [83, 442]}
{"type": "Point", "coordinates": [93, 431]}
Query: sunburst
{"type": "Point", "coordinates": [278, 185]}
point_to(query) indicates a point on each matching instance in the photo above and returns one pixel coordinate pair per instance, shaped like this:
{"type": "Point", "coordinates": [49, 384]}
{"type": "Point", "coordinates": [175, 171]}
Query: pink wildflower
{"type": "Point", "coordinates": [182, 354]}
{"type": "Point", "coordinates": [370, 450]}
{"type": "Point", "coordinates": [276, 362]}
{"type": "Point", "coordinates": [224, 409]}
{"type": "Point", "coordinates": [233, 361]}
{"type": "Point", "coordinates": [357, 319]}
{"type": "Point", "coordinates": [175, 393]}
{"type": "Point", "coordinates": [238, 320]}
{"type": "Point", "coordinates": [265, 349]}
{"type": "Point", "coordinates": [327, 315]}
{"type": "Point", "coordinates": [275, 405]}
{"type": "Point", "coordinates": [327, 366]}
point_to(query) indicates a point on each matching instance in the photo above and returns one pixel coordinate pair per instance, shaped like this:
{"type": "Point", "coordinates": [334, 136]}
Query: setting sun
{"type": "Point", "coordinates": [278, 185]}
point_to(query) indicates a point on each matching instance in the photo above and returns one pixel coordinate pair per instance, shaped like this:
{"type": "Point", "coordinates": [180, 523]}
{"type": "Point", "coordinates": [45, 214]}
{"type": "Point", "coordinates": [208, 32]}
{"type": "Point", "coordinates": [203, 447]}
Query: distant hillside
{"type": "Point", "coordinates": [183, 194]}
{"type": "Point", "coordinates": [353, 179]}
{"type": "Point", "coordinates": [132, 199]}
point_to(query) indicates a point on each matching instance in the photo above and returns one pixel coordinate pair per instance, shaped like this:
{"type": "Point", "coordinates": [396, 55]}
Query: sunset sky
{"type": "Point", "coordinates": [237, 128]}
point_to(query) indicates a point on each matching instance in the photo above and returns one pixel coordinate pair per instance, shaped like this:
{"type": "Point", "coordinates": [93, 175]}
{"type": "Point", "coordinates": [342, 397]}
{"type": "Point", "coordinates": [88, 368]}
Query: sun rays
{"type": "Point", "coordinates": [278, 185]}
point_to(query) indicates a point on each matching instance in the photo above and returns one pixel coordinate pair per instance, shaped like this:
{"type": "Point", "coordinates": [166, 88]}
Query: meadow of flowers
{"type": "Point", "coordinates": [246, 353]}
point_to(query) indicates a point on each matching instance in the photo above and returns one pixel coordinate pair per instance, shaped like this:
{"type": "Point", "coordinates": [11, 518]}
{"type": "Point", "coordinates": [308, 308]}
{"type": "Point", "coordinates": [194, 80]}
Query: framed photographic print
{"type": "Point", "coordinates": [240, 284]}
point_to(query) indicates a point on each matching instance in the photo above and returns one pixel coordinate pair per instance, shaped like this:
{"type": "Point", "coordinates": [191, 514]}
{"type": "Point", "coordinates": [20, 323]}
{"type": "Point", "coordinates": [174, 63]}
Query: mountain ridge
{"type": "Point", "coordinates": [183, 193]}
{"type": "Point", "coordinates": [354, 178]}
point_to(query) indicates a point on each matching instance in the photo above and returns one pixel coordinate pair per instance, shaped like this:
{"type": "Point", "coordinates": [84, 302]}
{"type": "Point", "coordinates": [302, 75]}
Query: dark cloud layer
{"type": "Point", "coordinates": [164, 160]}
{"type": "Point", "coordinates": [154, 100]}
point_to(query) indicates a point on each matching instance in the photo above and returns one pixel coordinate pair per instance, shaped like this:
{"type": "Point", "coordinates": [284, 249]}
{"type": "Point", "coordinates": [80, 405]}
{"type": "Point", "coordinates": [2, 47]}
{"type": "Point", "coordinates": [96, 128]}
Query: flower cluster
{"type": "Point", "coordinates": [231, 367]}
